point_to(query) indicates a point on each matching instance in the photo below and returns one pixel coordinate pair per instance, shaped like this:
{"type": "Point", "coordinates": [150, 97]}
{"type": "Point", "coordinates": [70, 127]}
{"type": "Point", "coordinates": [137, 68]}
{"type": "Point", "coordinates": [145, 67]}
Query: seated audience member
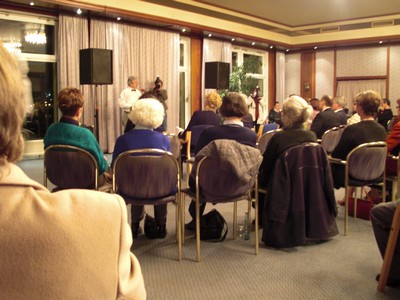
{"type": "Point", "coordinates": [339, 104]}
{"type": "Point", "coordinates": [295, 113]}
{"type": "Point", "coordinates": [146, 114]}
{"type": "Point", "coordinates": [129, 125]}
{"type": "Point", "coordinates": [72, 244]}
{"type": "Point", "coordinates": [248, 121]}
{"type": "Point", "coordinates": [355, 117]}
{"type": "Point", "coordinates": [68, 131]}
{"type": "Point", "coordinates": [233, 109]}
{"type": "Point", "coordinates": [208, 116]}
{"type": "Point", "coordinates": [385, 113]}
{"type": "Point", "coordinates": [275, 113]}
{"type": "Point", "coordinates": [381, 219]}
{"type": "Point", "coordinates": [367, 105]}
{"type": "Point", "coordinates": [326, 119]}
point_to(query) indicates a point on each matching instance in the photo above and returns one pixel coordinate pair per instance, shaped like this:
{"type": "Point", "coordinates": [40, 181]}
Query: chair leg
{"type": "Point", "coordinates": [346, 209]}
{"type": "Point", "coordinates": [198, 229]}
{"type": "Point", "coordinates": [182, 216]}
{"type": "Point", "coordinates": [391, 245]}
{"type": "Point", "coordinates": [234, 220]}
{"type": "Point", "coordinates": [178, 225]}
{"type": "Point", "coordinates": [256, 208]}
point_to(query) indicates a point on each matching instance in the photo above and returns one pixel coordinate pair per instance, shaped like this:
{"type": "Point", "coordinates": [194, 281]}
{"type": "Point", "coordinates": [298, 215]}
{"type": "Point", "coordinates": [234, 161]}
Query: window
{"type": "Point", "coordinates": [248, 67]}
{"type": "Point", "coordinates": [32, 38]}
{"type": "Point", "coordinates": [184, 82]}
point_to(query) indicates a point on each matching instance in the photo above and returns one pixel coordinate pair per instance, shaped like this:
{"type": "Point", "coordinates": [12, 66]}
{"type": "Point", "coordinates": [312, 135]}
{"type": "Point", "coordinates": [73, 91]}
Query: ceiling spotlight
{"type": "Point", "coordinates": [183, 29]}
{"type": "Point", "coordinates": [79, 11]}
{"type": "Point", "coordinates": [380, 42]}
{"type": "Point", "coordinates": [118, 18]}
{"type": "Point", "coordinates": [209, 35]}
{"type": "Point", "coordinates": [271, 47]}
{"type": "Point", "coordinates": [287, 50]}
{"type": "Point", "coordinates": [315, 48]}
{"type": "Point", "coordinates": [253, 43]}
{"type": "Point", "coordinates": [32, 3]}
{"type": "Point", "coordinates": [233, 39]}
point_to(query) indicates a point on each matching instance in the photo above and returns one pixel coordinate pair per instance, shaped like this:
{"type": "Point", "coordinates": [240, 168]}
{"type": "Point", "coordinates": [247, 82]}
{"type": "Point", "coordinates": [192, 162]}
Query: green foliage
{"type": "Point", "coordinates": [238, 79]}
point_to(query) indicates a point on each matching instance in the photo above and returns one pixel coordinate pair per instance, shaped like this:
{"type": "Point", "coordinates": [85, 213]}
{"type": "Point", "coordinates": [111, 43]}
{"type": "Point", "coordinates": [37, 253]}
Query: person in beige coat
{"type": "Point", "coordinates": [73, 244]}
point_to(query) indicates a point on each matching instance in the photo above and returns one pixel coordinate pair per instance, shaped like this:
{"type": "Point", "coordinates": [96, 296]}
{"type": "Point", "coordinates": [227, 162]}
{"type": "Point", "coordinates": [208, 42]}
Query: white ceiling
{"type": "Point", "coordinates": [295, 13]}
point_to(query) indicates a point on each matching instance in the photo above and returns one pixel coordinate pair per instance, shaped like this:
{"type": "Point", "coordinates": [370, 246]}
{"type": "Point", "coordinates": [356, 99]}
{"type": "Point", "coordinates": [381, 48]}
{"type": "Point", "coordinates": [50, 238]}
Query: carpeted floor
{"type": "Point", "coordinates": [341, 268]}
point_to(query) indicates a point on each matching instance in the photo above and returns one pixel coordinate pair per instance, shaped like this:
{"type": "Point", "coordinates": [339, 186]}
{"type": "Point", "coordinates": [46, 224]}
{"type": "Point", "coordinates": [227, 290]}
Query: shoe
{"type": "Point", "coordinates": [191, 226]}
{"type": "Point", "coordinates": [162, 231]}
{"type": "Point", "coordinates": [136, 230]}
{"type": "Point", "coordinates": [392, 282]}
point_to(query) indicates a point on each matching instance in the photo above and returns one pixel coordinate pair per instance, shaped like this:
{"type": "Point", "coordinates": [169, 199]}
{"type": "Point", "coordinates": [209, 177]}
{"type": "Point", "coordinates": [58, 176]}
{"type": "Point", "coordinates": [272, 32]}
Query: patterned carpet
{"type": "Point", "coordinates": [341, 268]}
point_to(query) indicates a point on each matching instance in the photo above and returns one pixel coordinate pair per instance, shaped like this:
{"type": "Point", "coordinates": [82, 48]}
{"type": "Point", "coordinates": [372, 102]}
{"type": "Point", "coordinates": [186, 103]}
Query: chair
{"type": "Point", "coordinates": [300, 202]}
{"type": "Point", "coordinates": [192, 137]}
{"type": "Point", "coordinates": [331, 138]}
{"type": "Point", "coordinates": [265, 128]}
{"type": "Point", "coordinates": [264, 140]}
{"type": "Point", "coordinates": [391, 245]}
{"type": "Point", "coordinates": [364, 166]}
{"type": "Point", "coordinates": [217, 181]}
{"type": "Point", "coordinates": [70, 167]}
{"type": "Point", "coordinates": [149, 177]}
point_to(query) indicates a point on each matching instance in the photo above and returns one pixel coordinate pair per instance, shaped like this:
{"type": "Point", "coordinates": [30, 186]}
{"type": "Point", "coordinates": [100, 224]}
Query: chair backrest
{"type": "Point", "coordinates": [145, 173]}
{"type": "Point", "coordinates": [216, 175]}
{"type": "Point", "coordinates": [265, 128]}
{"type": "Point", "coordinates": [366, 162]}
{"type": "Point", "coordinates": [264, 140]}
{"type": "Point", "coordinates": [193, 138]}
{"type": "Point", "coordinates": [70, 167]}
{"type": "Point", "coordinates": [331, 138]}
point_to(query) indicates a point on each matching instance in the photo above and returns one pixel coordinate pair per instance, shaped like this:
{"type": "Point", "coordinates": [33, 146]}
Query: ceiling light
{"type": "Point", "coordinates": [315, 48]}
{"type": "Point", "coordinates": [253, 43]}
{"type": "Point", "coordinates": [210, 35]}
{"type": "Point", "coordinates": [183, 29]}
{"type": "Point", "coordinates": [287, 50]}
{"type": "Point", "coordinates": [118, 18]}
{"type": "Point", "coordinates": [32, 3]}
{"type": "Point", "coordinates": [79, 11]}
{"type": "Point", "coordinates": [233, 39]}
{"type": "Point", "coordinates": [271, 47]}
{"type": "Point", "coordinates": [380, 42]}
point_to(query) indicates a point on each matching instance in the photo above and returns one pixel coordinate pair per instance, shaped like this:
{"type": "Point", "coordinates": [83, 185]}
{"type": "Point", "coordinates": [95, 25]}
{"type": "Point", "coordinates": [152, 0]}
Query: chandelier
{"type": "Point", "coordinates": [36, 36]}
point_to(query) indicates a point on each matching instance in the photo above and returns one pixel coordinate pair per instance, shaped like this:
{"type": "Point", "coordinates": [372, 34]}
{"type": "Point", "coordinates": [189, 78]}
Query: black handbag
{"type": "Point", "coordinates": [213, 227]}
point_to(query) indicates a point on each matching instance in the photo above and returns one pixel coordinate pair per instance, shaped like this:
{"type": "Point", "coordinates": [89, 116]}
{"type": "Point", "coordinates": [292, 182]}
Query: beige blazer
{"type": "Point", "coordinates": [73, 244]}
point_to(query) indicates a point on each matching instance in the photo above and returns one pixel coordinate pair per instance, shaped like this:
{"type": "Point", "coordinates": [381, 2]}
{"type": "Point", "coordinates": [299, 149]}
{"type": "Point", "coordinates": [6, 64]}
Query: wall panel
{"type": "Point", "coordinates": [292, 74]}
{"type": "Point", "coordinates": [324, 73]}
{"type": "Point", "coordinates": [394, 76]}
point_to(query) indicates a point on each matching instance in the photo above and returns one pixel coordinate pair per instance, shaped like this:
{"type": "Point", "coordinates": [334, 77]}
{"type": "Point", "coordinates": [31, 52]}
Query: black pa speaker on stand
{"type": "Point", "coordinates": [217, 75]}
{"type": "Point", "coordinates": [95, 67]}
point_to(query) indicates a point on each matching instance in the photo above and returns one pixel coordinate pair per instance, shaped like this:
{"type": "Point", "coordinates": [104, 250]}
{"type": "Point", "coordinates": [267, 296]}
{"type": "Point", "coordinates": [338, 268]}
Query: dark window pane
{"type": "Point", "coordinates": [181, 55]}
{"type": "Point", "coordinates": [44, 110]}
{"type": "Point", "coordinates": [253, 63]}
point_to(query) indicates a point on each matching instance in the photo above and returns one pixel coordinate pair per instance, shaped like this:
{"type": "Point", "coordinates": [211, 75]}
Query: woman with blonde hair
{"type": "Point", "coordinates": [208, 116]}
{"type": "Point", "coordinates": [79, 232]}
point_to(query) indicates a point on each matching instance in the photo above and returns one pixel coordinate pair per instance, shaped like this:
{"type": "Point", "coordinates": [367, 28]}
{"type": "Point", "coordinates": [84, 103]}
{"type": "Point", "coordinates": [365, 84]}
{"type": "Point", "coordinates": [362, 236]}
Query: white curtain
{"type": "Point", "coordinates": [214, 50]}
{"type": "Point", "coordinates": [72, 36]}
{"type": "Point", "coordinates": [141, 52]}
{"type": "Point", "coordinates": [350, 88]}
{"type": "Point", "coordinates": [280, 76]}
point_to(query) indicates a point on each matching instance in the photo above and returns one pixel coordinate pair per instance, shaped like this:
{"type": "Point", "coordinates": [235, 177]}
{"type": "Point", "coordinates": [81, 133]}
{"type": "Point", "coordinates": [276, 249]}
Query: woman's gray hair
{"type": "Point", "coordinates": [148, 113]}
{"type": "Point", "coordinates": [295, 112]}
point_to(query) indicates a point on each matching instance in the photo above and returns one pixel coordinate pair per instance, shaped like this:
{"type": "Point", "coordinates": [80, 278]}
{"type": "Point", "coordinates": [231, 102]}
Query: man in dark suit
{"type": "Point", "coordinates": [339, 103]}
{"type": "Point", "coordinates": [326, 119]}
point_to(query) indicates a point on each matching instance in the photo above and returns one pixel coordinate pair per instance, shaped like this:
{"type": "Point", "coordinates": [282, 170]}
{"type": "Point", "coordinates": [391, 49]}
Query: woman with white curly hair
{"type": "Point", "coordinates": [147, 114]}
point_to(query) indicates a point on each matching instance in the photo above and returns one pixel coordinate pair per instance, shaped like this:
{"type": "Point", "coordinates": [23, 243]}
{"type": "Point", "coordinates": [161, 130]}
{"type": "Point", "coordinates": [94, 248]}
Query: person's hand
{"type": "Point", "coordinates": [107, 176]}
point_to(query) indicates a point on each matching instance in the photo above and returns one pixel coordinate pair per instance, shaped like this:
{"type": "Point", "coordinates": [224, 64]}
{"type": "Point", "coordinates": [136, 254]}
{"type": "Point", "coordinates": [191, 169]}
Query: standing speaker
{"type": "Point", "coordinates": [217, 75]}
{"type": "Point", "coordinates": [95, 66]}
